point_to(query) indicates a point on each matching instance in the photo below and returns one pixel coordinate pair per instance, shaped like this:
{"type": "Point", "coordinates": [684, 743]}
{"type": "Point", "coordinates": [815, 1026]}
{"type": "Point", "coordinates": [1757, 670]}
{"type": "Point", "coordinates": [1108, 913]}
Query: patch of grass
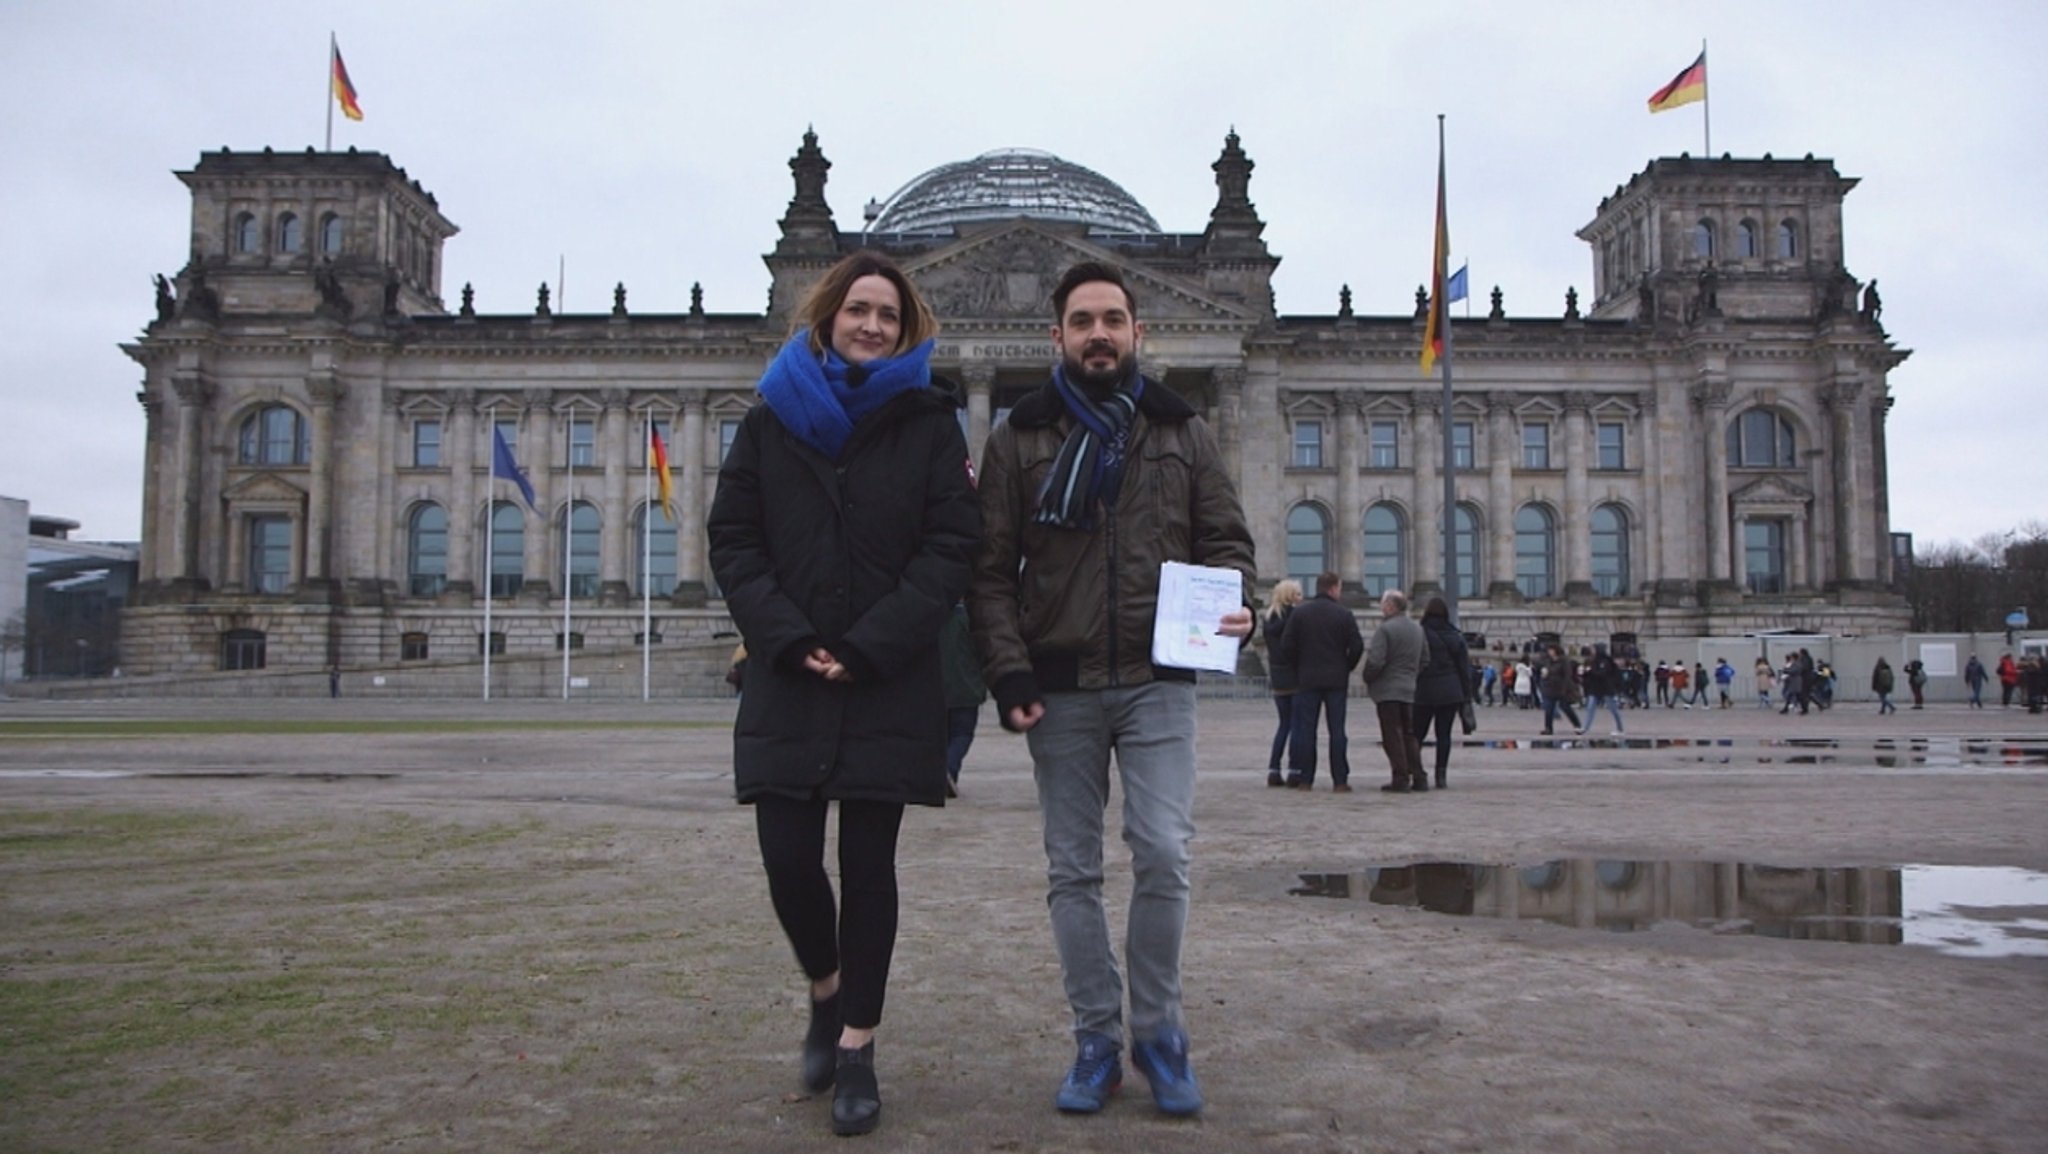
{"type": "Point", "coordinates": [209, 727]}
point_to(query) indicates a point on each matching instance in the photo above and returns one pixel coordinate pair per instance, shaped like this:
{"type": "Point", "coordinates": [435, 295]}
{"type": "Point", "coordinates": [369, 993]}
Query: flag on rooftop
{"type": "Point", "coordinates": [344, 92]}
{"type": "Point", "coordinates": [1688, 87]}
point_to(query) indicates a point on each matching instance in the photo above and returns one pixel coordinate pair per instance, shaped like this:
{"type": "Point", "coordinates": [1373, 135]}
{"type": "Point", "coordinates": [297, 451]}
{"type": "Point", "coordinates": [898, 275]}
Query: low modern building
{"type": "Point", "coordinates": [61, 599]}
{"type": "Point", "coordinates": [1699, 449]}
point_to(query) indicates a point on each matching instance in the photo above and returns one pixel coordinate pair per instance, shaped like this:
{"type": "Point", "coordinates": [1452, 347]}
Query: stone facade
{"type": "Point", "coordinates": [1701, 452]}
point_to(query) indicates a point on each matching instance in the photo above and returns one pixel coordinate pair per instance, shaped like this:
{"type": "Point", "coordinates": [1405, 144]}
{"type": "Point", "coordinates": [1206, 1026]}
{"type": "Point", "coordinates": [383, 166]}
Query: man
{"type": "Point", "coordinates": [1094, 481]}
{"type": "Point", "coordinates": [1393, 660]}
{"type": "Point", "coordinates": [1974, 676]}
{"type": "Point", "coordinates": [1323, 644]}
{"type": "Point", "coordinates": [1724, 677]}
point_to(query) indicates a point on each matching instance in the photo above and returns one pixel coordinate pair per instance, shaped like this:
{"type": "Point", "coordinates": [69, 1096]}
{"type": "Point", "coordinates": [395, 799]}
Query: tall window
{"type": "Point", "coordinates": [1465, 546]}
{"type": "Point", "coordinates": [582, 443]}
{"type": "Point", "coordinates": [1761, 439]}
{"type": "Point", "coordinates": [426, 444]}
{"type": "Point", "coordinates": [276, 435]}
{"type": "Point", "coordinates": [1535, 446]}
{"type": "Point", "coordinates": [1535, 552]}
{"type": "Point", "coordinates": [1308, 543]}
{"type": "Point", "coordinates": [1386, 445]}
{"type": "Point", "coordinates": [330, 234]}
{"type": "Point", "coordinates": [1610, 551]}
{"type": "Point", "coordinates": [1746, 244]}
{"type": "Point", "coordinates": [248, 237]}
{"type": "Point", "coordinates": [242, 649]}
{"type": "Point", "coordinates": [1703, 240]}
{"type": "Point", "coordinates": [1463, 456]}
{"type": "Point", "coordinates": [1308, 444]}
{"type": "Point", "coordinates": [507, 549]}
{"type": "Point", "coordinates": [1609, 438]}
{"type": "Point", "coordinates": [1386, 561]}
{"type": "Point", "coordinates": [1788, 240]}
{"type": "Point", "coordinates": [582, 578]}
{"type": "Point", "coordinates": [270, 554]}
{"type": "Point", "coordinates": [654, 554]}
{"type": "Point", "coordinates": [291, 234]}
{"type": "Point", "coordinates": [426, 551]}
{"type": "Point", "coordinates": [727, 430]}
{"type": "Point", "coordinates": [1763, 556]}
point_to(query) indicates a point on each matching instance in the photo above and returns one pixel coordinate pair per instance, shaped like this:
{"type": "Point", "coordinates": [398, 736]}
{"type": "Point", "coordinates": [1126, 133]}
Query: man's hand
{"type": "Point", "coordinates": [1023, 717]}
{"type": "Point", "coordinates": [1236, 623]}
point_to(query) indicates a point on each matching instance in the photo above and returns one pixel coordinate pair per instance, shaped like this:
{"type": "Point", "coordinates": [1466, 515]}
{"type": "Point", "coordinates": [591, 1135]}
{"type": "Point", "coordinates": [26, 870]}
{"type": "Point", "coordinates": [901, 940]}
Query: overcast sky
{"type": "Point", "coordinates": [649, 143]}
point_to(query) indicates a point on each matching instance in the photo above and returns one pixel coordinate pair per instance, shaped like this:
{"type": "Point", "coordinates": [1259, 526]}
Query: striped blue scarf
{"type": "Point", "coordinates": [1089, 471]}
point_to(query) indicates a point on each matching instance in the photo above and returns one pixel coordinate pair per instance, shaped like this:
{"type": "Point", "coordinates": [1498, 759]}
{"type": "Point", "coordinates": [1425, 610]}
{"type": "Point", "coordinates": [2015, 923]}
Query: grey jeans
{"type": "Point", "coordinates": [1151, 729]}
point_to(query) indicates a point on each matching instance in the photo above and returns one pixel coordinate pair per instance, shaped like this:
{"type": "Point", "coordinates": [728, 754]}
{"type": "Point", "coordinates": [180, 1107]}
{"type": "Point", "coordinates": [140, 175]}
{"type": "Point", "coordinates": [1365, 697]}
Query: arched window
{"type": "Point", "coordinates": [1788, 240]}
{"type": "Point", "coordinates": [1610, 551]}
{"type": "Point", "coordinates": [1761, 439]}
{"type": "Point", "coordinates": [1746, 240]}
{"type": "Point", "coordinates": [1465, 546]}
{"type": "Point", "coordinates": [1386, 560]}
{"type": "Point", "coordinates": [1703, 240]}
{"type": "Point", "coordinates": [1535, 552]}
{"type": "Point", "coordinates": [275, 435]}
{"type": "Point", "coordinates": [330, 234]}
{"type": "Point", "coordinates": [654, 553]}
{"type": "Point", "coordinates": [582, 578]}
{"type": "Point", "coordinates": [1308, 543]}
{"type": "Point", "coordinates": [248, 238]}
{"type": "Point", "coordinates": [507, 549]}
{"type": "Point", "coordinates": [426, 551]}
{"type": "Point", "coordinates": [242, 649]}
{"type": "Point", "coordinates": [291, 235]}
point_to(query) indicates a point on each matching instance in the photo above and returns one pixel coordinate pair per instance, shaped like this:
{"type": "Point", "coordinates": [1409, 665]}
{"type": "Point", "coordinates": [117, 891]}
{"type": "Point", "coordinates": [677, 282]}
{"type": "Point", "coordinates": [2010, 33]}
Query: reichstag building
{"type": "Point", "coordinates": [1698, 449]}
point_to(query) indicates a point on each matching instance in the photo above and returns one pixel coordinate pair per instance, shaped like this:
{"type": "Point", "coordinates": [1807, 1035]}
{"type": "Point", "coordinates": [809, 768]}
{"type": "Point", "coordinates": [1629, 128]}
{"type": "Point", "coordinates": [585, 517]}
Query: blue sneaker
{"type": "Point", "coordinates": [1096, 1074]}
{"type": "Point", "coordinates": [1164, 1062]}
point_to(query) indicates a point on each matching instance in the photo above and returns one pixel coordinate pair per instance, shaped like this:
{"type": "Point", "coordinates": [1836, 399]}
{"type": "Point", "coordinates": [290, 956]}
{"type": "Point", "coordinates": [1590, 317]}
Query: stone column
{"type": "Point", "coordinates": [1349, 540]}
{"type": "Point", "coordinates": [1578, 511]}
{"type": "Point", "coordinates": [459, 445]}
{"type": "Point", "coordinates": [1853, 487]}
{"type": "Point", "coordinates": [615, 517]}
{"type": "Point", "coordinates": [1426, 577]}
{"type": "Point", "coordinates": [1799, 533]}
{"type": "Point", "coordinates": [1648, 527]}
{"type": "Point", "coordinates": [1502, 446]}
{"type": "Point", "coordinates": [149, 564]}
{"type": "Point", "coordinates": [691, 544]}
{"type": "Point", "coordinates": [1227, 381]}
{"type": "Point", "coordinates": [373, 553]}
{"type": "Point", "coordinates": [980, 378]}
{"type": "Point", "coordinates": [1711, 398]}
{"type": "Point", "coordinates": [195, 392]}
{"type": "Point", "coordinates": [1880, 471]}
{"type": "Point", "coordinates": [537, 455]}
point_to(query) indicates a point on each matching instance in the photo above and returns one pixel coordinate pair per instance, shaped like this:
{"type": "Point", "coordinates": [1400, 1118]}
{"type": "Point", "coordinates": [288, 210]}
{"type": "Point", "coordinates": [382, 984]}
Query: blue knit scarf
{"type": "Point", "coordinates": [820, 400]}
{"type": "Point", "coordinates": [1089, 469]}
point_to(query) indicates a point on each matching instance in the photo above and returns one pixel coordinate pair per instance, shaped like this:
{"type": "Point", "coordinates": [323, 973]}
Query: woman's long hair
{"type": "Point", "coordinates": [822, 302]}
{"type": "Point", "coordinates": [1286, 595]}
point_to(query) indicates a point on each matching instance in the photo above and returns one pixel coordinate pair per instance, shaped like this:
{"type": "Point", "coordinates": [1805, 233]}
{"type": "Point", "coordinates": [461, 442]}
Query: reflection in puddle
{"type": "Point", "coordinates": [1967, 911]}
{"type": "Point", "coordinates": [1939, 752]}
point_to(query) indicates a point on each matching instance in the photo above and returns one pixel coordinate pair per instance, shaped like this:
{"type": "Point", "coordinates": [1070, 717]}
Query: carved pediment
{"type": "Point", "coordinates": [1772, 492]}
{"type": "Point", "coordinates": [1009, 272]}
{"type": "Point", "coordinates": [265, 489]}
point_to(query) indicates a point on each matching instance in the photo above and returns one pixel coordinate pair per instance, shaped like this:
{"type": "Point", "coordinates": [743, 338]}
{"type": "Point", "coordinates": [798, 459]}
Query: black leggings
{"type": "Point", "coordinates": [858, 939]}
{"type": "Point", "coordinates": [1445, 717]}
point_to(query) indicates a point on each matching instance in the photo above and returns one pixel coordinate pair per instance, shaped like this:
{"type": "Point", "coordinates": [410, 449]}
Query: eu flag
{"type": "Point", "coordinates": [504, 465]}
{"type": "Point", "coordinates": [1454, 289]}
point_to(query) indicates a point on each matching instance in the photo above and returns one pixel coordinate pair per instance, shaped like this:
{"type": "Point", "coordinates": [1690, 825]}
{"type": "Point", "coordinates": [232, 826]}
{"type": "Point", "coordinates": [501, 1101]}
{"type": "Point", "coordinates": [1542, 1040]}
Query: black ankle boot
{"type": "Point", "coordinates": [819, 1043]}
{"type": "Point", "coordinates": [1442, 779]}
{"type": "Point", "coordinates": [857, 1102]}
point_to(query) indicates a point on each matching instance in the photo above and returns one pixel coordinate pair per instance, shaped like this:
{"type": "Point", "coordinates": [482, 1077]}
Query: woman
{"type": "Point", "coordinates": [1560, 682]}
{"type": "Point", "coordinates": [1764, 678]}
{"type": "Point", "coordinates": [1603, 687]}
{"type": "Point", "coordinates": [843, 533]}
{"type": "Point", "coordinates": [1280, 674]}
{"type": "Point", "coordinates": [1444, 685]}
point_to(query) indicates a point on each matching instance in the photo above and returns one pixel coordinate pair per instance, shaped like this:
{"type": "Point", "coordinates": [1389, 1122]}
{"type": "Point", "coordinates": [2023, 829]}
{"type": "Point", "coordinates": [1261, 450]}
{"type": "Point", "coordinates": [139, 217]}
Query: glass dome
{"type": "Point", "coordinates": [1008, 183]}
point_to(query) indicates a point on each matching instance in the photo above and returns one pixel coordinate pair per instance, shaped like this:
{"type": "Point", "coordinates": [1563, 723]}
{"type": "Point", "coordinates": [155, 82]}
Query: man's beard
{"type": "Point", "coordinates": [1100, 380]}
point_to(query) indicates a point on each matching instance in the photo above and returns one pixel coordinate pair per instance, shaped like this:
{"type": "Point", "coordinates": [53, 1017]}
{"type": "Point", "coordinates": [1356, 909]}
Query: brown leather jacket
{"type": "Point", "coordinates": [1058, 609]}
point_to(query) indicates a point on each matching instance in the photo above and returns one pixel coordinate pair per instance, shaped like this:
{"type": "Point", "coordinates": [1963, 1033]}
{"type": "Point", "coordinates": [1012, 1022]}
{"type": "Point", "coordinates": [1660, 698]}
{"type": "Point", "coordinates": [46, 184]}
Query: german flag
{"type": "Point", "coordinates": [661, 475]}
{"type": "Point", "coordinates": [344, 92]}
{"type": "Point", "coordinates": [1439, 316]}
{"type": "Point", "coordinates": [1688, 87]}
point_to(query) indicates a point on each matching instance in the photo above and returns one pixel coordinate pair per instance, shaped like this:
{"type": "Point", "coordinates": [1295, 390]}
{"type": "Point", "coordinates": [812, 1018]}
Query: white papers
{"type": "Point", "coordinates": [1192, 602]}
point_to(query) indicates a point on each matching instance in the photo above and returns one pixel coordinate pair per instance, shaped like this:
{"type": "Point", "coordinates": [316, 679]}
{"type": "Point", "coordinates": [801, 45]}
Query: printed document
{"type": "Point", "coordinates": [1192, 602]}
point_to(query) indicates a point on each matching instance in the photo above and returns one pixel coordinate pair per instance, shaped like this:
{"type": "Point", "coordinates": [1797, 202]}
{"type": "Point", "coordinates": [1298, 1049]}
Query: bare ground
{"type": "Point", "coordinates": [560, 940]}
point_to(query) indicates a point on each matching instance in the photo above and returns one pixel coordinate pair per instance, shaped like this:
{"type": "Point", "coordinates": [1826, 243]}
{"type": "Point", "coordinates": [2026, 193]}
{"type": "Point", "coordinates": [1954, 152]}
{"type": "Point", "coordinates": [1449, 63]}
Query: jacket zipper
{"type": "Point", "coordinates": [1109, 526]}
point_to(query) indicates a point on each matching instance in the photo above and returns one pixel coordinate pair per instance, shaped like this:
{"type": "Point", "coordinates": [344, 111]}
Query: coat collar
{"type": "Point", "coordinates": [1158, 404]}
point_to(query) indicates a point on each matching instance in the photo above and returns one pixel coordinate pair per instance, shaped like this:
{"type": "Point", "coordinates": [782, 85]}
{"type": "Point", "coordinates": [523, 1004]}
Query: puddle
{"type": "Point", "coordinates": [1885, 752]}
{"type": "Point", "coordinates": [241, 774]}
{"type": "Point", "coordinates": [1966, 911]}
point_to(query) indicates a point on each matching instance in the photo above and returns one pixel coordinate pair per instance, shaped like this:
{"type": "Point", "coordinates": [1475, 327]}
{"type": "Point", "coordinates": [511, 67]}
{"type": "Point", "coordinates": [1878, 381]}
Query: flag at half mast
{"type": "Point", "coordinates": [1688, 87]}
{"type": "Point", "coordinates": [1439, 302]}
{"type": "Point", "coordinates": [344, 92]}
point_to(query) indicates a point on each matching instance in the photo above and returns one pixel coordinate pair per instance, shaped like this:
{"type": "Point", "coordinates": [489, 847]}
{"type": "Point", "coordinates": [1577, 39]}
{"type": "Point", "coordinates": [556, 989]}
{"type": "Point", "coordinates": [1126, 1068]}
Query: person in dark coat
{"type": "Point", "coordinates": [964, 693]}
{"type": "Point", "coordinates": [843, 533]}
{"type": "Point", "coordinates": [1323, 642]}
{"type": "Point", "coordinates": [1444, 685]}
{"type": "Point", "coordinates": [1280, 677]}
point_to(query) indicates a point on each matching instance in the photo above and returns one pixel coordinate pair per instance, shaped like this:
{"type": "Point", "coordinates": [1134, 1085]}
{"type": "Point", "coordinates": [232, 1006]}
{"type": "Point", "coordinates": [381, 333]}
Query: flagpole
{"type": "Point", "coordinates": [490, 548]}
{"type": "Point", "coordinates": [1706, 100]}
{"type": "Point", "coordinates": [1449, 462]}
{"type": "Point", "coordinates": [568, 553]}
{"type": "Point", "coordinates": [647, 567]}
{"type": "Point", "coordinates": [333, 50]}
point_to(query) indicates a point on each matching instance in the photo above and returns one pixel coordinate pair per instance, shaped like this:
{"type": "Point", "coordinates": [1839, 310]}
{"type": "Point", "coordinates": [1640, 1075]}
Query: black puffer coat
{"type": "Point", "coordinates": [1446, 677]}
{"type": "Point", "coordinates": [864, 556]}
{"type": "Point", "coordinates": [1280, 677]}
